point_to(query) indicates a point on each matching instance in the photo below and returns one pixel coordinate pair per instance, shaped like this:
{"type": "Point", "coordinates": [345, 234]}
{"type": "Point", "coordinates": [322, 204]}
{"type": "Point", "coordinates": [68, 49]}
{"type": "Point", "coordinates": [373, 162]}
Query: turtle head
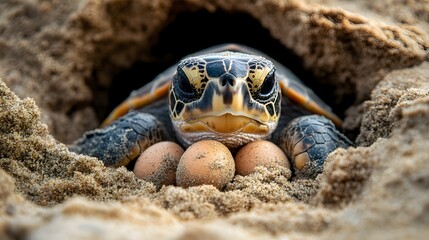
{"type": "Point", "coordinates": [230, 97]}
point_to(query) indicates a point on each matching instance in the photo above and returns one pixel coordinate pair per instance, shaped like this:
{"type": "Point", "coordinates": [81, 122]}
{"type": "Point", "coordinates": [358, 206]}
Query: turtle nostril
{"type": "Point", "coordinates": [227, 78]}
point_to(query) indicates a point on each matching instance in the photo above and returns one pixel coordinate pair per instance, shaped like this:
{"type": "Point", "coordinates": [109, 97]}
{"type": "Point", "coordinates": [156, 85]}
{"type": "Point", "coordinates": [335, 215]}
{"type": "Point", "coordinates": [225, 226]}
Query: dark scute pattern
{"type": "Point", "coordinates": [113, 143]}
{"type": "Point", "coordinates": [317, 136]}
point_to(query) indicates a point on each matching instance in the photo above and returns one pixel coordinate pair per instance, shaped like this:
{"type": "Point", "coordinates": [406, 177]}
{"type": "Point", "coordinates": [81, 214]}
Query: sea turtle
{"type": "Point", "coordinates": [230, 93]}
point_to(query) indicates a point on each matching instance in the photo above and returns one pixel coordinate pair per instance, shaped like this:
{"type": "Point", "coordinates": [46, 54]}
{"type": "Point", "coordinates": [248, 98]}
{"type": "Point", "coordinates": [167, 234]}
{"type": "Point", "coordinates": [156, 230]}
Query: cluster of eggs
{"type": "Point", "coordinates": [204, 162]}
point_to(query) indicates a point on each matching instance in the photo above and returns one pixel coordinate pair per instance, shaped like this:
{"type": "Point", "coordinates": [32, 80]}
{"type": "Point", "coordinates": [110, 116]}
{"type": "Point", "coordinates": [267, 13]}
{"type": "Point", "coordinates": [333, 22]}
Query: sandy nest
{"type": "Point", "coordinates": [63, 65]}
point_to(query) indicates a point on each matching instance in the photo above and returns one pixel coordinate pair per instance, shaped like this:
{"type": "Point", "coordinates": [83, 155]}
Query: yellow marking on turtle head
{"type": "Point", "coordinates": [195, 77]}
{"type": "Point", "coordinates": [258, 75]}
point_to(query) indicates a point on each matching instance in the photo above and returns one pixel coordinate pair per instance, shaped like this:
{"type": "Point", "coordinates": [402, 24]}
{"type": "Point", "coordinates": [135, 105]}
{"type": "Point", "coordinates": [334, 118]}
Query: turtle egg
{"type": "Point", "coordinates": [205, 162]}
{"type": "Point", "coordinates": [158, 163]}
{"type": "Point", "coordinates": [259, 153]}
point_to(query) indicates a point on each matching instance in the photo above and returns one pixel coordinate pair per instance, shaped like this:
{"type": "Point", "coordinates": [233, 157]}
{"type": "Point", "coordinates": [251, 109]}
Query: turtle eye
{"type": "Point", "coordinates": [268, 85]}
{"type": "Point", "coordinates": [183, 83]}
{"type": "Point", "coordinates": [184, 89]}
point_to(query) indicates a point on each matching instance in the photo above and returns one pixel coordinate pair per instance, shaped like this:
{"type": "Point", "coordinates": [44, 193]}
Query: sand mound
{"type": "Point", "coordinates": [65, 56]}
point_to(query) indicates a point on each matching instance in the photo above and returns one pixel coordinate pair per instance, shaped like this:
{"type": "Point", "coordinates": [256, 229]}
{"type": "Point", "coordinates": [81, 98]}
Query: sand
{"type": "Point", "coordinates": [58, 59]}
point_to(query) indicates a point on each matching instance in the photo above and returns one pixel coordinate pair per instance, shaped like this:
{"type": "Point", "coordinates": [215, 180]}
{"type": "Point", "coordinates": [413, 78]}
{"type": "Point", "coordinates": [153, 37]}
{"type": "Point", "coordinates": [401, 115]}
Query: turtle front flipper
{"type": "Point", "coordinates": [308, 140]}
{"type": "Point", "coordinates": [123, 140]}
